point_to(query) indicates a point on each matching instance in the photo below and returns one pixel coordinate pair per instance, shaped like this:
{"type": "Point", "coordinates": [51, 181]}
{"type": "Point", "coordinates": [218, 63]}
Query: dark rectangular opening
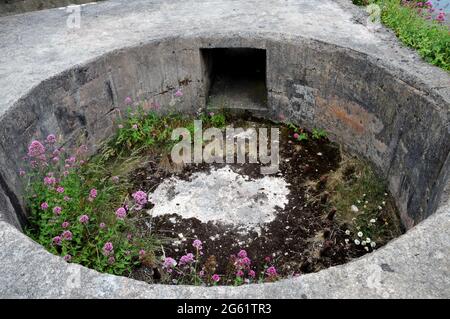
{"type": "Point", "coordinates": [235, 78]}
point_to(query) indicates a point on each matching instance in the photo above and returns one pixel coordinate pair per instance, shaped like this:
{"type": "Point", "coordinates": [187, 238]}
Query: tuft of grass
{"type": "Point", "coordinates": [355, 183]}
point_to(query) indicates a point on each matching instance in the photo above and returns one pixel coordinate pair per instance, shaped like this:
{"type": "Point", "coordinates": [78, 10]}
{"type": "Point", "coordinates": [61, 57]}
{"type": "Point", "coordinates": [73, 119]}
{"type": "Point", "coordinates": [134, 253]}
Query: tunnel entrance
{"type": "Point", "coordinates": [235, 78]}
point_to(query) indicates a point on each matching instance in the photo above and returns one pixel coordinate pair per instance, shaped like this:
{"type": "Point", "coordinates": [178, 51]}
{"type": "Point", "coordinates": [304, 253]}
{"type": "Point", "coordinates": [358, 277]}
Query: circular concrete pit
{"type": "Point", "coordinates": [376, 98]}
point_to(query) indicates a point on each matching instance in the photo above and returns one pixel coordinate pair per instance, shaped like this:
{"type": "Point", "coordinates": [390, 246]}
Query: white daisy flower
{"type": "Point", "coordinates": [367, 240]}
{"type": "Point", "coordinates": [360, 234]}
{"type": "Point", "coordinates": [357, 242]}
{"type": "Point", "coordinates": [354, 209]}
{"type": "Point", "coordinates": [373, 244]}
{"type": "Point", "coordinates": [347, 232]}
{"type": "Point", "coordinates": [373, 220]}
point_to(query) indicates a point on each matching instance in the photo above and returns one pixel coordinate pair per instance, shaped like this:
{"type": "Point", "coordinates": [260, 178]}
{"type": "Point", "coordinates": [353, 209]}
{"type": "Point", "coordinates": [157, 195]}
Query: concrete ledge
{"type": "Point", "coordinates": [325, 68]}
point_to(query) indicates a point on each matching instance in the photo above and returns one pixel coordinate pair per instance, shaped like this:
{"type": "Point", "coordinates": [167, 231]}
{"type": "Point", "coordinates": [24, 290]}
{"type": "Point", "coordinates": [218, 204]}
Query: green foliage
{"type": "Point", "coordinates": [361, 2]}
{"type": "Point", "coordinates": [303, 136]}
{"type": "Point", "coordinates": [318, 134]}
{"type": "Point", "coordinates": [429, 38]}
{"type": "Point", "coordinates": [69, 188]}
{"type": "Point", "coordinates": [142, 130]}
{"type": "Point", "coordinates": [355, 183]}
{"type": "Point", "coordinates": [299, 134]}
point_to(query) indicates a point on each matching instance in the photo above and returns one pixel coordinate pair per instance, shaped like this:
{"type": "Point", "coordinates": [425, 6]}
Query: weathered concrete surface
{"type": "Point", "coordinates": [325, 68]}
{"type": "Point", "coordinates": [222, 195]}
{"type": "Point", "coordinates": [9, 7]}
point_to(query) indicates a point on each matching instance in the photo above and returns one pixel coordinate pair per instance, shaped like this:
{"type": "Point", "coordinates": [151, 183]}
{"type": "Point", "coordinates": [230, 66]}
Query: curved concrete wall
{"type": "Point", "coordinates": [400, 127]}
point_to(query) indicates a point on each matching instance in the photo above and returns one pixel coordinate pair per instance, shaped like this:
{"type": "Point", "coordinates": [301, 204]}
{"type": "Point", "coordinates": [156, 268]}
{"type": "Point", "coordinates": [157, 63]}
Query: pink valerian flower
{"type": "Point", "coordinates": [51, 139]}
{"type": "Point", "coordinates": [134, 127]}
{"type": "Point", "coordinates": [169, 263]}
{"type": "Point", "coordinates": [242, 254]}
{"type": "Point", "coordinates": [67, 235]}
{"type": "Point", "coordinates": [142, 253]}
{"type": "Point", "coordinates": [49, 180]}
{"type": "Point", "coordinates": [215, 278]}
{"type": "Point", "coordinates": [115, 179]}
{"type": "Point", "coordinates": [57, 210]}
{"type": "Point", "coordinates": [60, 189]}
{"type": "Point", "coordinates": [271, 271]}
{"type": "Point", "coordinates": [201, 273]}
{"type": "Point", "coordinates": [65, 224]}
{"type": "Point", "coordinates": [140, 198]}
{"type": "Point", "coordinates": [102, 225]}
{"type": "Point", "coordinates": [111, 260]}
{"type": "Point", "coordinates": [66, 198]}
{"type": "Point", "coordinates": [197, 244]}
{"type": "Point", "coordinates": [55, 159]}
{"type": "Point", "coordinates": [296, 136]}
{"type": "Point", "coordinates": [267, 259]}
{"type": "Point", "coordinates": [178, 93]}
{"type": "Point", "coordinates": [245, 262]}
{"type": "Point", "coordinates": [121, 213]}
{"type": "Point", "coordinates": [239, 273]}
{"type": "Point", "coordinates": [66, 173]}
{"type": "Point", "coordinates": [67, 258]}
{"type": "Point", "coordinates": [155, 105]}
{"type": "Point", "coordinates": [93, 193]}
{"type": "Point", "coordinates": [83, 149]}
{"type": "Point", "coordinates": [22, 172]}
{"type": "Point", "coordinates": [36, 149]}
{"type": "Point", "coordinates": [44, 206]}
{"type": "Point", "coordinates": [441, 17]}
{"type": "Point", "coordinates": [57, 240]}
{"type": "Point", "coordinates": [252, 274]}
{"type": "Point", "coordinates": [120, 126]}
{"type": "Point", "coordinates": [84, 219]}
{"type": "Point", "coordinates": [186, 259]}
{"type": "Point", "coordinates": [108, 248]}
{"type": "Point", "coordinates": [70, 161]}
{"type": "Point", "coordinates": [128, 100]}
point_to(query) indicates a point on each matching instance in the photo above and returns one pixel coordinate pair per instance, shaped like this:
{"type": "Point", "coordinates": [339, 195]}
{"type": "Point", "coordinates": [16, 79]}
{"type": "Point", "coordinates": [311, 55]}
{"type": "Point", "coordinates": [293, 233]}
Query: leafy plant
{"type": "Point", "coordinates": [415, 26]}
{"type": "Point", "coordinates": [361, 201]}
{"type": "Point", "coordinates": [318, 134]}
{"type": "Point", "coordinates": [73, 205]}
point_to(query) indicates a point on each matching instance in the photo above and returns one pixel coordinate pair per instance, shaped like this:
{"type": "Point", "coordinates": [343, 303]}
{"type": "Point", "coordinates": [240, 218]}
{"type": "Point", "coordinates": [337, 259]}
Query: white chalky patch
{"type": "Point", "coordinates": [222, 196]}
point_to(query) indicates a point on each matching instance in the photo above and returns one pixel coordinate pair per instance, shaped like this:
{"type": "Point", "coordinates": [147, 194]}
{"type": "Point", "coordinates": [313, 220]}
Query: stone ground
{"type": "Point", "coordinates": [36, 46]}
